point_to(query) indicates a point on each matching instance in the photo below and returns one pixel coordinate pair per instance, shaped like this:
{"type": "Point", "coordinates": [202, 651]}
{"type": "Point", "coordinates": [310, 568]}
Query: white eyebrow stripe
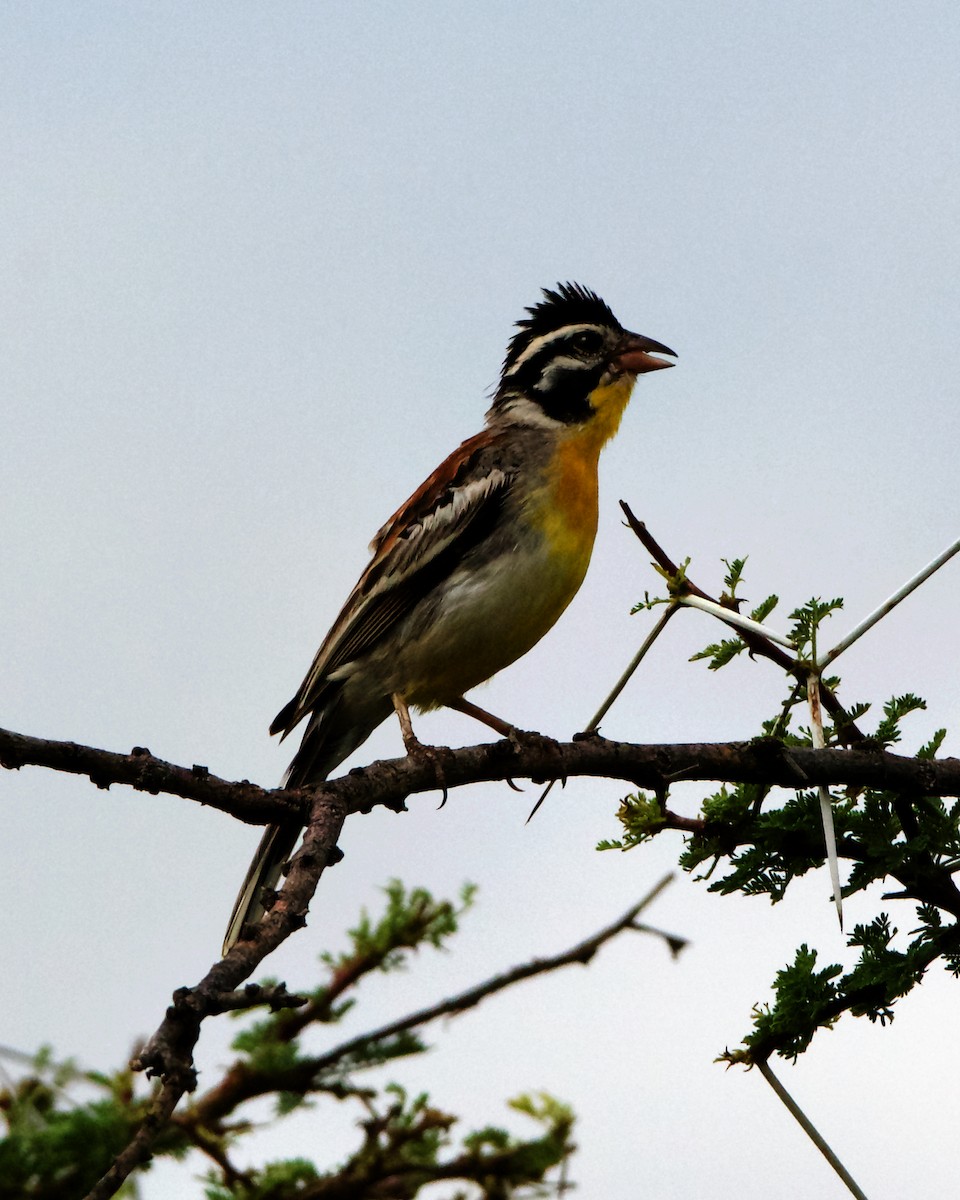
{"type": "Point", "coordinates": [545, 339]}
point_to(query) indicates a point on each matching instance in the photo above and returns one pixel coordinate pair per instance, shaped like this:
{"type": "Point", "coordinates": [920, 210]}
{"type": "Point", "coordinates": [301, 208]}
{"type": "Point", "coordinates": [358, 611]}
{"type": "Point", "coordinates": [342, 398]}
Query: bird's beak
{"type": "Point", "coordinates": [634, 354]}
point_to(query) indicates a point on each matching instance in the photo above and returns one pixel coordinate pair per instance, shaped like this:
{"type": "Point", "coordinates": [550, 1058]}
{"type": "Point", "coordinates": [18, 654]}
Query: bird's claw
{"type": "Point", "coordinates": [420, 752]}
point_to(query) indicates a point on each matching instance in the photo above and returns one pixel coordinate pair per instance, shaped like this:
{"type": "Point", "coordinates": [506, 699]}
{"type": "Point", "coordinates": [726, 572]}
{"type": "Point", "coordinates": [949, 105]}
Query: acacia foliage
{"type": "Point", "coordinates": [65, 1124]}
{"type": "Point", "coordinates": [756, 840]}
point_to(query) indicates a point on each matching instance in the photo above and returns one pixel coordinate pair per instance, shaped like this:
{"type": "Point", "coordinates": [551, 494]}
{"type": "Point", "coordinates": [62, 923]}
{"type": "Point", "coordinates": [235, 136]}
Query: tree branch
{"type": "Point", "coordinates": [139, 1149]}
{"type": "Point", "coordinates": [242, 1083]}
{"type": "Point", "coordinates": [390, 782]}
{"type": "Point", "coordinates": [169, 1053]}
{"type": "Point", "coordinates": [142, 771]}
{"type": "Point", "coordinates": [858, 1000]}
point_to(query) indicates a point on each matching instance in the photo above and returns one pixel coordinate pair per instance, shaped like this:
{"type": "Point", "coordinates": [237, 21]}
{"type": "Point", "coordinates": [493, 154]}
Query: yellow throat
{"type": "Point", "coordinates": [568, 514]}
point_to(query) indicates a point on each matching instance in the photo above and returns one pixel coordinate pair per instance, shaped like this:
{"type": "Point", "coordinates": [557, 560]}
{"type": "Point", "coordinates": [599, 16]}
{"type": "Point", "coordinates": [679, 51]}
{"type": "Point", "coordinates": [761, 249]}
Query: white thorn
{"type": "Point", "coordinates": [826, 808]}
{"type": "Point", "coordinates": [734, 618]}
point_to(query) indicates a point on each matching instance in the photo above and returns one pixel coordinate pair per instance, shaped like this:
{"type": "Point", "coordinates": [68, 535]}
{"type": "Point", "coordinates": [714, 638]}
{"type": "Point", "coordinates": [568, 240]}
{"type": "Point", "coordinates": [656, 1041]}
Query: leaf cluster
{"type": "Point", "coordinates": [64, 1126]}
{"type": "Point", "coordinates": [55, 1148]}
{"type": "Point", "coordinates": [718, 654]}
{"type": "Point", "coordinates": [756, 841]}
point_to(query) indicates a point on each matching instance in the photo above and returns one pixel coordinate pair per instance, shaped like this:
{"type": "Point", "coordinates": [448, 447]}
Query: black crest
{"type": "Point", "coordinates": [570, 304]}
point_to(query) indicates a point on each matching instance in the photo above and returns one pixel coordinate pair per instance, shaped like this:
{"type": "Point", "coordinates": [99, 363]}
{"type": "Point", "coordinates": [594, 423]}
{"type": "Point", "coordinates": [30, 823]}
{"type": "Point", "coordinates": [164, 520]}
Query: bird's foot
{"type": "Point", "coordinates": [416, 749]}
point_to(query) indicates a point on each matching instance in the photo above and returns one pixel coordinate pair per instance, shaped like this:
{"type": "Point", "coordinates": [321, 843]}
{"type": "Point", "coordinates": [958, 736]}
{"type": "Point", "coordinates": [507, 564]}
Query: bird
{"type": "Point", "coordinates": [478, 564]}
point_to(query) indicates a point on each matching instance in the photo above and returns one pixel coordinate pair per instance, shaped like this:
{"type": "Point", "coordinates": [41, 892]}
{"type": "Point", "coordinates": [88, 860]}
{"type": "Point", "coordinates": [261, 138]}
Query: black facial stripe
{"type": "Point", "coordinates": [560, 389]}
{"type": "Point", "coordinates": [567, 396]}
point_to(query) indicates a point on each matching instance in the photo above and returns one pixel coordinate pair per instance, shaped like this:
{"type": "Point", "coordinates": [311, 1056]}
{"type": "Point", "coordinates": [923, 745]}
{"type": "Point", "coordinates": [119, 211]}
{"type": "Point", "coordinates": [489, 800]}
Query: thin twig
{"type": "Point", "coordinates": [580, 954]}
{"type": "Point", "coordinates": [618, 687]}
{"type": "Point", "coordinates": [223, 1099]}
{"type": "Point", "coordinates": [890, 603]}
{"type": "Point", "coordinates": [757, 644]}
{"type": "Point", "coordinates": [635, 662]}
{"type": "Point", "coordinates": [810, 1130]}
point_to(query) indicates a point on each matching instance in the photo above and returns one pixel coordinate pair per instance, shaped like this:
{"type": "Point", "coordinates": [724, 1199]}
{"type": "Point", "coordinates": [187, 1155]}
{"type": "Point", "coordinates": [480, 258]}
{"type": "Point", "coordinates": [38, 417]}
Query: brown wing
{"type": "Point", "coordinates": [418, 547]}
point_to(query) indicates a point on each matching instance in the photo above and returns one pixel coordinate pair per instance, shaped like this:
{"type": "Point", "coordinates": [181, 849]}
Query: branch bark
{"type": "Point", "coordinates": [390, 781]}
{"type": "Point", "coordinates": [323, 809]}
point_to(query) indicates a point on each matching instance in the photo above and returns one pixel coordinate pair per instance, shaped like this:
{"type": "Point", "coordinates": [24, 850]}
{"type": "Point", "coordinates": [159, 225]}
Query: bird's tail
{"type": "Point", "coordinates": [264, 871]}
{"type": "Point", "coordinates": [332, 734]}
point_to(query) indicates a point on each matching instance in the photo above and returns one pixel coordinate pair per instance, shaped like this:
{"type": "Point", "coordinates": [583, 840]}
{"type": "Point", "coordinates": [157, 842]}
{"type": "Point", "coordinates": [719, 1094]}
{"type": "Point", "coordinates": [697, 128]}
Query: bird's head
{"type": "Point", "coordinates": [569, 359]}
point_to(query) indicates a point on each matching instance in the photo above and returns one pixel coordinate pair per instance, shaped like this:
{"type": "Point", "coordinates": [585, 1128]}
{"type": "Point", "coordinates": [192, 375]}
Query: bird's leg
{"type": "Point", "coordinates": [504, 728]}
{"type": "Point", "coordinates": [411, 743]}
{"type": "Point", "coordinates": [518, 737]}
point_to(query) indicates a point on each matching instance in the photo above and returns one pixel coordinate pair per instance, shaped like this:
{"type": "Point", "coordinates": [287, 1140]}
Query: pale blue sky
{"type": "Point", "coordinates": [258, 266]}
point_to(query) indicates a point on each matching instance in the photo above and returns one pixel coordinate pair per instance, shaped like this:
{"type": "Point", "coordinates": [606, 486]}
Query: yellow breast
{"type": "Point", "coordinates": [566, 507]}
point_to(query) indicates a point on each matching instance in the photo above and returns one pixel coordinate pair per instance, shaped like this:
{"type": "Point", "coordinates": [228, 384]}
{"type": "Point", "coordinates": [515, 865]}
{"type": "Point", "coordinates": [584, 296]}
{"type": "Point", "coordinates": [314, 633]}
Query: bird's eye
{"type": "Point", "coordinates": [586, 342]}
